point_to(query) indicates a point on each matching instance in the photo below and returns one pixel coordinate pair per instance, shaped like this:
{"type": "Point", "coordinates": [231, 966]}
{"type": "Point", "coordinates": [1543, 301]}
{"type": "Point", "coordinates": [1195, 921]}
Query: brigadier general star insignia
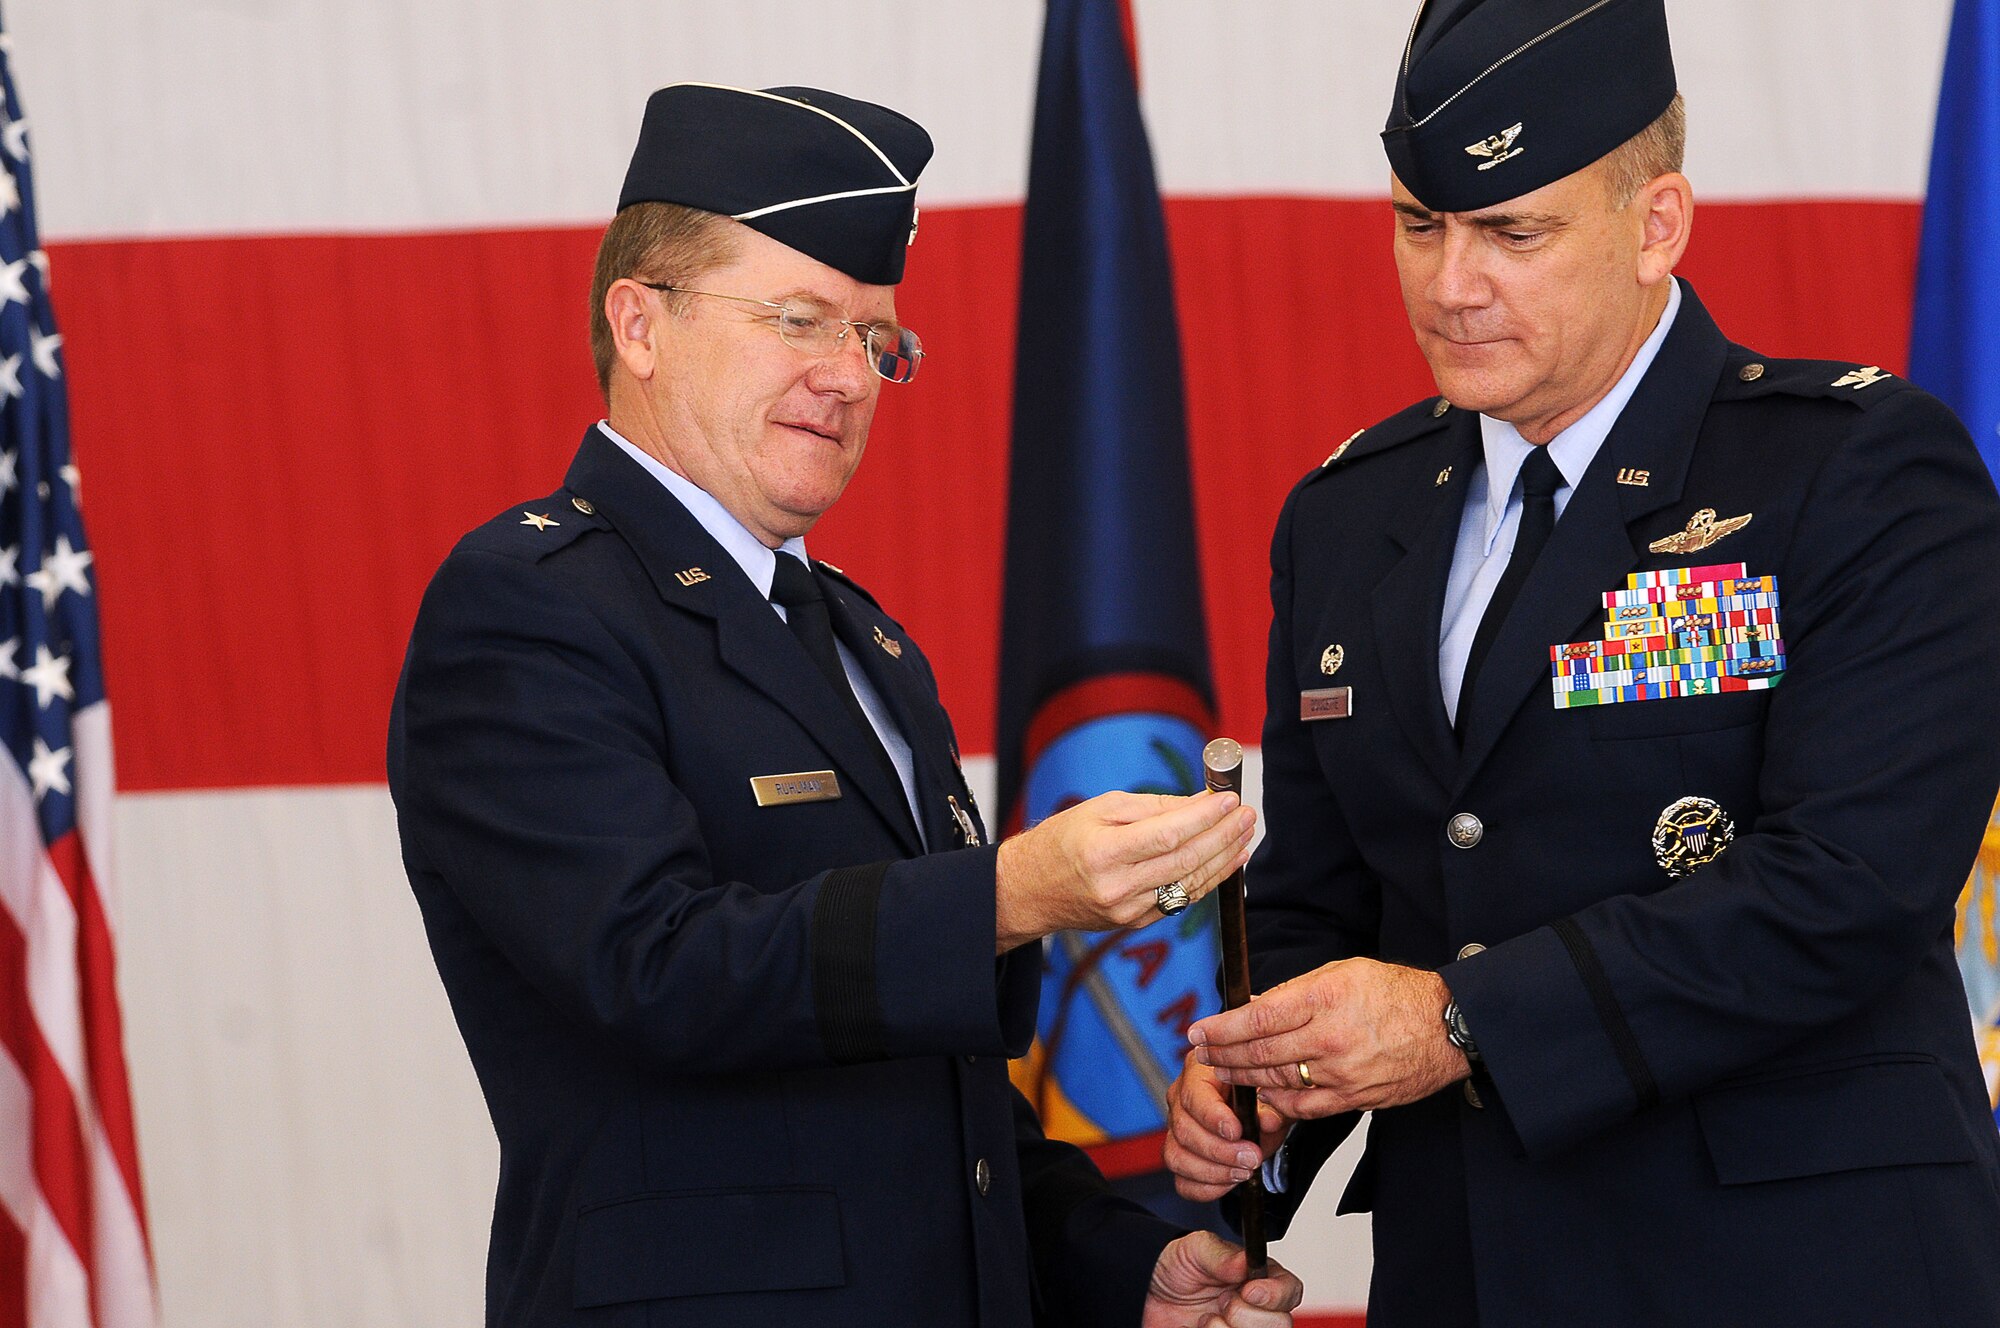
{"type": "Point", "coordinates": [1702, 530]}
{"type": "Point", "coordinates": [538, 521]}
{"type": "Point", "coordinates": [1860, 378]}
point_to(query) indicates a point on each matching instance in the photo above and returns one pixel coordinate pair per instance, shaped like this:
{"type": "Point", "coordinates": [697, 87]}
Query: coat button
{"type": "Point", "coordinates": [1468, 950]}
{"type": "Point", "coordinates": [1750, 373]}
{"type": "Point", "coordinates": [584, 505]}
{"type": "Point", "coordinates": [1438, 411]}
{"type": "Point", "coordinates": [982, 1176]}
{"type": "Point", "coordinates": [1465, 830]}
{"type": "Point", "coordinates": [1472, 1097]}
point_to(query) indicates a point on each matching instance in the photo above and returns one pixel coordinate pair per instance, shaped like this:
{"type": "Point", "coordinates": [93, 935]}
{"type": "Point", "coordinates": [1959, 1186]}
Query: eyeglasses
{"type": "Point", "coordinates": [894, 351]}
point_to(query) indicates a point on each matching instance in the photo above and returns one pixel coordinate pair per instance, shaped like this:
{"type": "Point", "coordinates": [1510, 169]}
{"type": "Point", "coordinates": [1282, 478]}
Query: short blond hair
{"type": "Point", "coordinates": [656, 242]}
{"type": "Point", "coordinates": [1658, 149]}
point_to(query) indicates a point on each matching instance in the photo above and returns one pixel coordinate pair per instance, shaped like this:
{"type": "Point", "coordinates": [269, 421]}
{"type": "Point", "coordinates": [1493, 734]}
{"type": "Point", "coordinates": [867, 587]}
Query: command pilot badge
{"type": "Point", "coordinates": [1690, 834]}
{"type": "Point", "coordinates": [1702, 530]}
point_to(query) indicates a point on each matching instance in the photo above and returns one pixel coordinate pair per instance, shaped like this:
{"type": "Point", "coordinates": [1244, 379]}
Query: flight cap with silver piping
{"type": "Point", "coordinates": [833, 177]}
{"type": "Point", "coordinates": [1497, 98]}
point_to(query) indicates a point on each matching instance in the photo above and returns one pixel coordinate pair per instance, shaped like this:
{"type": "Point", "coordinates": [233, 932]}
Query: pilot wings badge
{"type": "Point", "coordinates": [1702, 530]}
{"type": "Point", "coordinates": [1500, 147]}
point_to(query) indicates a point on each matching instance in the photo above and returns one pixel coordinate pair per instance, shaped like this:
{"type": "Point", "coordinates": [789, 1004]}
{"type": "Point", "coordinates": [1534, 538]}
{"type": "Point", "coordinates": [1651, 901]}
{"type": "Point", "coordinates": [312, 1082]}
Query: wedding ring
{"type": "Point", "coordinates": [1171, 897]}
{"type": "Point", "coordinates": [1305, 1075]}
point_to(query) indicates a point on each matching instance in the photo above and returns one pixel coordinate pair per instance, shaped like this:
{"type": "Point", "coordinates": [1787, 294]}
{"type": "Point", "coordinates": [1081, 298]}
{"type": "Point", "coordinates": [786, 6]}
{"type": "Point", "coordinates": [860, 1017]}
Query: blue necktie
{"type": "Point", "coordinates": [1539, 481]}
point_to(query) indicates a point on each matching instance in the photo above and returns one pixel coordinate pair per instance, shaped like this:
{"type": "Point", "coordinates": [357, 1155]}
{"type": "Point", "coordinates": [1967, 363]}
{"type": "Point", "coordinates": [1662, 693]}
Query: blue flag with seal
{"type": "Point", "coordinates": [1104, 677]}
{"type": "Point", "coordinates": [1955, 353]}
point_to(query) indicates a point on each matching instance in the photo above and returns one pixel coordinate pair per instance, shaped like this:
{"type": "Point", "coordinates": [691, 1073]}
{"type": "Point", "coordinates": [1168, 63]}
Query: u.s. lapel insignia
{"type": "Point", "coordinates": [1336, 453]}
{"type": "Point", "coordinates": [889, 643]}
{"type": "Point", "coordinates": [1444, 478]}
{"type": "Point", "coordinates": [691, 576]}
{"type": "Point", "coordinates": [1860, 378]}
{"type": "Point", "coordinates": [1638, 479]}
{"type": "Point", "coordinates": [1332, 658]}
{"type": "Point", "coordinates": [1690, 834]}
{"type": "Point", "coordinates": [1702, 530]}
{"type": "Point", "coordinates": [966, 828]}
{"type": "Point", "coordinates": [1496, 148]}
{"type": "Point", "coordinates": [538, 521]}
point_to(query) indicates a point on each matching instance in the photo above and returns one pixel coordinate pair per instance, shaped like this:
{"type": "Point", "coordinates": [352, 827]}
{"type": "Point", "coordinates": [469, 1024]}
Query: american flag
{"type": "Point", "coordinates": [73, 1245]}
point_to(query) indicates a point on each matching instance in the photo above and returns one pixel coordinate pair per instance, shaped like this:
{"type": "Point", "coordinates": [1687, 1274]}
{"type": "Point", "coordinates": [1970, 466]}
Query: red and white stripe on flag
{"type": "Point", "coordinates": [73, 1248]}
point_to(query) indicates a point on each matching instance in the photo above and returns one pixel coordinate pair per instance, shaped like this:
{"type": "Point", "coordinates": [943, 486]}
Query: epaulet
{"type": "Point", "coordinates": [846, 580]}
{"type": "Point", "coordinates": [1423, 418]}
{"type": "Point", "coordinates": [1750, 375]}
{"type": "Point", "coordinates": [534, 530]}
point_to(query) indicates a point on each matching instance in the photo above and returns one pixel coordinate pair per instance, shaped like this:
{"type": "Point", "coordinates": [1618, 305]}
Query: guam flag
{"type": "Point", "coordinates": [1955, 352]}
{"type": "Point", "coordinates": [1104, 679]}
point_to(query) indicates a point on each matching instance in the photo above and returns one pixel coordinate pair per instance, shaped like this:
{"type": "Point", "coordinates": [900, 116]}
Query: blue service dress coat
{"type": "Point", "coordinates": [1746, 1097]}
{"type": "Point", "coordinates": [747, 1065]}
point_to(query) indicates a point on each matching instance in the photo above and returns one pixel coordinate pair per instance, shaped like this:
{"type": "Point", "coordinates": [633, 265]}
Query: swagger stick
{"type": "Point", "coordinates": [1223, 762]}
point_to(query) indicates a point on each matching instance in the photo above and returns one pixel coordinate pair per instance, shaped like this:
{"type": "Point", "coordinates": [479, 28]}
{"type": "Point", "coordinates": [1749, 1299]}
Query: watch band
{"type": "Point", "coordinates": [1458, 1034]}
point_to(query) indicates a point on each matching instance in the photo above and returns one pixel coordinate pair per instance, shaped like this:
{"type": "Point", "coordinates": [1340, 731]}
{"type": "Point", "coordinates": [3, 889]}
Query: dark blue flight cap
{"type": "Point", "coordinates": [832, 177]}
{"type": "Point", "coordinates": [1497, 98]}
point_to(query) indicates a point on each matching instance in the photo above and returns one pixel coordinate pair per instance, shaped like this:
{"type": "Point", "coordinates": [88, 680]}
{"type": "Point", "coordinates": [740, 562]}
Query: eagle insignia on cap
{"type": "Point", "coordinates": [1500, 147]}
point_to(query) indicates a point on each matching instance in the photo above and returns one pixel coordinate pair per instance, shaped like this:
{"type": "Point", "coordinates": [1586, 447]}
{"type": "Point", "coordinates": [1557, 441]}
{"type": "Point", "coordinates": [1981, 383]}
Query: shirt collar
{"type": "Point", "coordinates": [758, 561]}
{"type": "Point", "coordinates": [1575, 447]}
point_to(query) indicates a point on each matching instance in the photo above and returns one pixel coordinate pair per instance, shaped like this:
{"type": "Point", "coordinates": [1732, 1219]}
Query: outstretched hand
{"type": "Point", "coordinates": [1198, 1283]}
{"type": "Point", "coordinates": [1096, 866]}
{"type": "Point", "coordinates": [1369, 1034]}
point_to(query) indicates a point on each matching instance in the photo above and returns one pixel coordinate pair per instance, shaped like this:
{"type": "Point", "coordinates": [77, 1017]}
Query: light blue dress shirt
{"type": "Point", "coordinates": [1493, 506]}
{"type": "Point", "coordinates": [760, 563]}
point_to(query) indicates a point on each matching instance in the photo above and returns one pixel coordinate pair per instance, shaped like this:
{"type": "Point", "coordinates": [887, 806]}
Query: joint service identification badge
{"type": "Point", "coordinates": [1690, 834]}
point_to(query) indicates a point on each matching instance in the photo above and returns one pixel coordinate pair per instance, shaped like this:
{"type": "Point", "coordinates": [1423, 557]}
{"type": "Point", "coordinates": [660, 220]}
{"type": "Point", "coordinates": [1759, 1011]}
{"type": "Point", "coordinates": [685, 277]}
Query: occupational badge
{"type": "Point", "coordinates": [1331, 659]}
{"type": "Point", "coordinates": [889, 644]}
{"type": "Point", "coordinates": [1703, 529]}
{"type": "Point", "coordinates": [1690, 834]}
{"type": "Point", "coordinates": [966, 828]}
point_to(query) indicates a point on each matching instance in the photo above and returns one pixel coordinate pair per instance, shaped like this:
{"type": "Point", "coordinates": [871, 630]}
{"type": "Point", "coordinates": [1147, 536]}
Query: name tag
{"type": "Point", "coordinates": [805, 786]}
{"type": "Point", "coordinates": [1326, 703]}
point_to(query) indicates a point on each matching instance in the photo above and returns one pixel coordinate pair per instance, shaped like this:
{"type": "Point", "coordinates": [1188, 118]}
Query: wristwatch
{"type": "Point", "coordinates": [1458, 1034]}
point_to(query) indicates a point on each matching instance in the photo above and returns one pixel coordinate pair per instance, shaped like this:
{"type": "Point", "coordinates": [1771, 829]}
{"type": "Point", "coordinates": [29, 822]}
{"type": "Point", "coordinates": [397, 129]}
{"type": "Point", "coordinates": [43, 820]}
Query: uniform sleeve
{"type": "Point", "coordinates": [1881, 753]}
{"type": "Point", "coordinates": [1094, 1252]}
{"type": "Point", "coordinates": [533, 780]}
{"type": "Point", "coordinates": [1311, 899]}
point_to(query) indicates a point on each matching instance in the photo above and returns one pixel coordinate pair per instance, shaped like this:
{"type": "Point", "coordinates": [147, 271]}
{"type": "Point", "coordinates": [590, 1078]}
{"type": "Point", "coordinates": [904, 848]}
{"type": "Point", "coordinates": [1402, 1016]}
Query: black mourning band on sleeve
{"type": "Point", "coordinates": [1584, 955]}
{"type": "Point", "coordinates": [843, 956]}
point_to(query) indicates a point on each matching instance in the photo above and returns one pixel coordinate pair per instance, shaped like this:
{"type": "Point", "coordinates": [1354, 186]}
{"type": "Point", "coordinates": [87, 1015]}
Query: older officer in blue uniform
{"type": "Point", "coordinates": [1632, 725]}
{"type": "Point", "coordinates": [702, 875]}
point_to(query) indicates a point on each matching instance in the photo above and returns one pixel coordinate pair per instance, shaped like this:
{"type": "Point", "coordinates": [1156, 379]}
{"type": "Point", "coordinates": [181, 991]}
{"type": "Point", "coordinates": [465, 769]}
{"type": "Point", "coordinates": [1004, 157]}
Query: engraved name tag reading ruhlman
{"type": "Point", "coordinates": [805, 786]}
{"type": "Point", "coordinates": [1326, 703]}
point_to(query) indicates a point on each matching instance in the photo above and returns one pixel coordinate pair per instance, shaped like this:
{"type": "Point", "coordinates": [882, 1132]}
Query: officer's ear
{"type": "Point", "coordinates": [631, 309]}
{"type": "Point", "coordinates": [1666, 207]}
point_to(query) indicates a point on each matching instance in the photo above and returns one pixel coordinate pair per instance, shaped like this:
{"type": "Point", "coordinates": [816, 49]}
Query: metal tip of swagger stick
{"type": "Point", "coordinates": [1222, 759]}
